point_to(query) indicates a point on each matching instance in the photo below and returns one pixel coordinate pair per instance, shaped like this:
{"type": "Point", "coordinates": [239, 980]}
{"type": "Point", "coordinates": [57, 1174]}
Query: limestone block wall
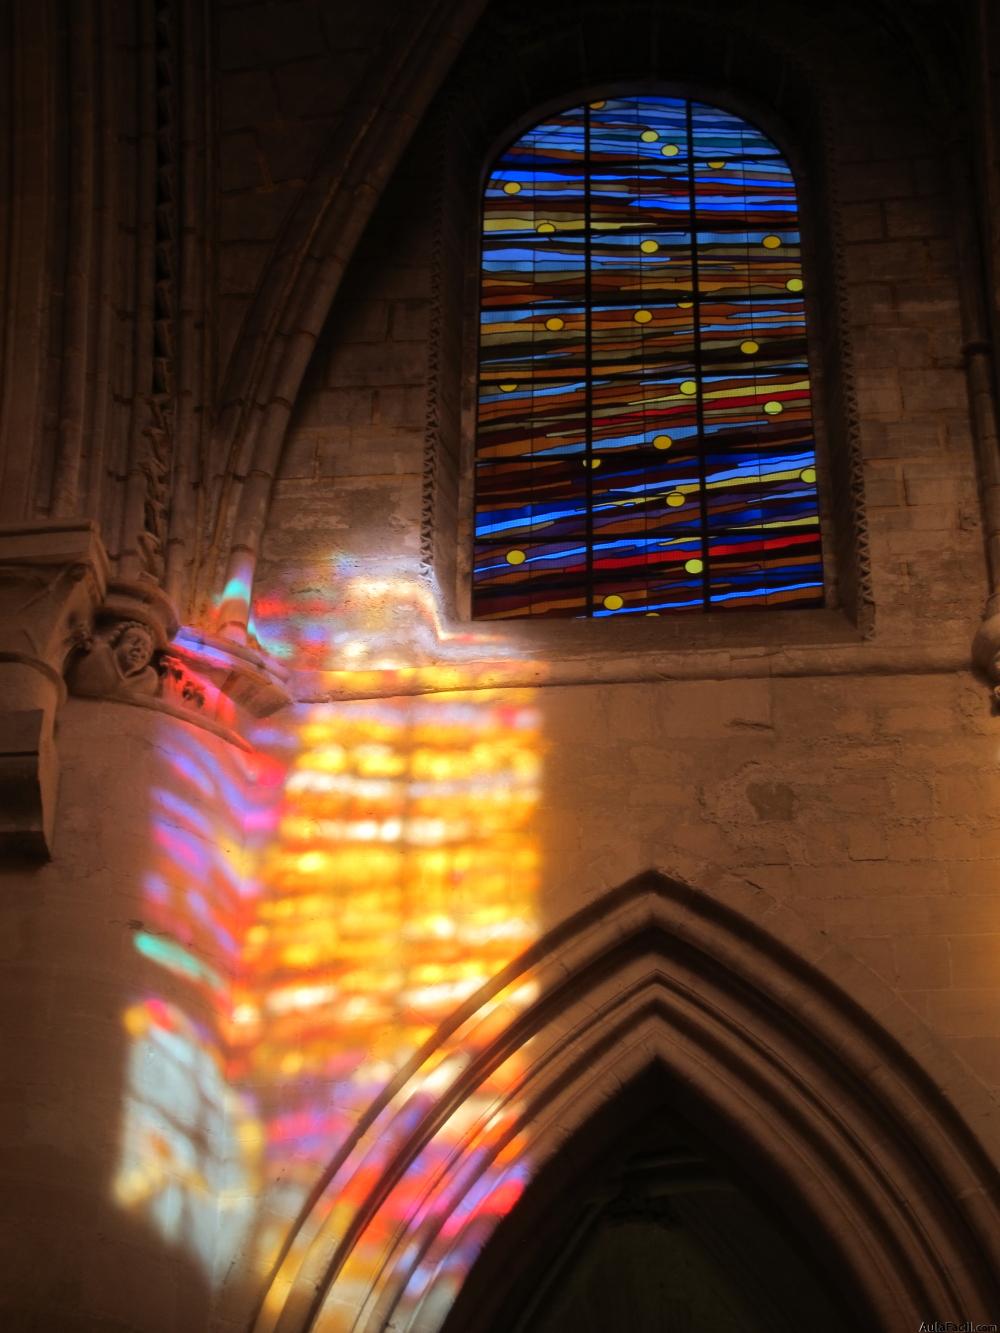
{"type": "Point", "coordinates": [351, 480]}
{"type": "Point", "coordinates": [852, 780]}
{"type": "Point", "coordinates": [209, 988]}
{"type": "Point", "coordinates": [287, 74]}
{"type": "Point", "coordinates": [868, 805]}
{"type": "Point", "coordinates": [768, 777]}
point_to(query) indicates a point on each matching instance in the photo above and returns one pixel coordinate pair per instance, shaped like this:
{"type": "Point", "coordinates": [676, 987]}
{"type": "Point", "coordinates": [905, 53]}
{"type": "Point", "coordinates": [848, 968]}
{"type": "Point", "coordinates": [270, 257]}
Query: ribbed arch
{"type": "Point", "coordinates": [788, 1050]}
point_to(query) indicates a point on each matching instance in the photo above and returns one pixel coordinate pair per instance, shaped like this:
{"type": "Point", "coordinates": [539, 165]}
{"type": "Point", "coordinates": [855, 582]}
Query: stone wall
{"type": "Point", "coordinates": [273, 955]}
{"type": "Point", "coordinates": [773, 779]}
{"type": "Point", "coordinates": [113, 1065]}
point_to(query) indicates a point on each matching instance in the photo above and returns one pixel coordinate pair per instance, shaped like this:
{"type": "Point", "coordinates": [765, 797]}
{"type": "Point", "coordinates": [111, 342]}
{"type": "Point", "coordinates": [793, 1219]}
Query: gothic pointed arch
{"type": "Point", "coordinates": [638, 1220]}
{"type": "Point", "coordinates": [830, 1091]}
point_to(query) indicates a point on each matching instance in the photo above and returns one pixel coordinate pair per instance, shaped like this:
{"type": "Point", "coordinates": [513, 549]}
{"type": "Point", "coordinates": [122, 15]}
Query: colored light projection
{"type": "Point", "coordinates": [402, 878]}
{"type": "Point", "coordinates": [190, 1159]}
{"type": "Point", "coordinates": [645, 441]}
{"type": "Point", "coordinates": [316, 910]}
{"type": "Point", "coordinates": [368, 627]}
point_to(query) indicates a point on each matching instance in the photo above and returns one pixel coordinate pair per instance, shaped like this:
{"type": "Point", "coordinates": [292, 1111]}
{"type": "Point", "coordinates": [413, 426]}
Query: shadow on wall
{"type": "Point", "coordinates": [317, 910]}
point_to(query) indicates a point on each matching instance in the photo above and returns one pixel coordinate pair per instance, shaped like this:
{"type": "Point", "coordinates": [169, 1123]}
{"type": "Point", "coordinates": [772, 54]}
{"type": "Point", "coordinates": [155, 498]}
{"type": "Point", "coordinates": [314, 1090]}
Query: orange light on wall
{"type": "Point", "coordinates": [403, 877]}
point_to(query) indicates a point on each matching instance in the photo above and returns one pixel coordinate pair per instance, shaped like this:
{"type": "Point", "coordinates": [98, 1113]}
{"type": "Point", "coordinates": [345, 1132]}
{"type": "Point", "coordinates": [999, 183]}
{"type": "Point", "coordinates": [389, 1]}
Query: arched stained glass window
{"type": "Point", "coordinates": [645, 441]}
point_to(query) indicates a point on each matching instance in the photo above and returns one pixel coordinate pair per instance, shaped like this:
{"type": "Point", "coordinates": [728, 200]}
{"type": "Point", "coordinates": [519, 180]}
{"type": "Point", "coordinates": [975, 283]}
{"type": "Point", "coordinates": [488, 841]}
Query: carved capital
{"type": "Point", "coordinates": [52, 577]}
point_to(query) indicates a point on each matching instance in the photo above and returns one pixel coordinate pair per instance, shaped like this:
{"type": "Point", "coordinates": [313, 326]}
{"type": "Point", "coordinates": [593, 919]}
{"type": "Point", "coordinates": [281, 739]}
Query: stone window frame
{"type": "Point", "coordinates": [462, 168]}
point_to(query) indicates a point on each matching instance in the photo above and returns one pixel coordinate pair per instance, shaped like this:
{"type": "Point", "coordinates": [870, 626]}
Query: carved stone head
{"type": "Point", "coordinates": [133, 647]}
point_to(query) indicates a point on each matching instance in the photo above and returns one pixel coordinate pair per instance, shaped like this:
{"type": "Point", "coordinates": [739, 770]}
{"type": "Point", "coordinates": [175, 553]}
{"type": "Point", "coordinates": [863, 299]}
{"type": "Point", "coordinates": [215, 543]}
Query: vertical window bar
{"type": "Point", "coordinates": [698, 369]}
{"type": "Point", "coordinates": [588, 354]}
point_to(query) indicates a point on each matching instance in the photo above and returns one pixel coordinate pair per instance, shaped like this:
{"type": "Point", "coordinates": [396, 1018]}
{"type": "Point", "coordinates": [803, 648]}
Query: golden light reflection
{"type": "Point", "coordinates": [403, 878]}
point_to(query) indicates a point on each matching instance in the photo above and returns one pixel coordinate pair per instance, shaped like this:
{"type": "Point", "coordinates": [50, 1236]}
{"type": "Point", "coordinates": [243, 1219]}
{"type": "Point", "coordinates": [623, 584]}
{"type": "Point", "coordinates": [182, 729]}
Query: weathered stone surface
{"type": "Point", "coordinates": [52, 578]}
{"type": "Point", "coordinates": [281, 861]}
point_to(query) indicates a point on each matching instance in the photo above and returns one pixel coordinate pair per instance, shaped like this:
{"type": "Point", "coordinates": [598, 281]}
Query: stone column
{"type": "Point", "coordinates": [52, 577]}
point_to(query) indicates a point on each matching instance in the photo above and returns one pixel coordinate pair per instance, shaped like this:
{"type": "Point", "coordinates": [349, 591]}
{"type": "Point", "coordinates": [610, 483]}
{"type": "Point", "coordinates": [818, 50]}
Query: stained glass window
{"type": "Point", "coordinates": [645, 441]}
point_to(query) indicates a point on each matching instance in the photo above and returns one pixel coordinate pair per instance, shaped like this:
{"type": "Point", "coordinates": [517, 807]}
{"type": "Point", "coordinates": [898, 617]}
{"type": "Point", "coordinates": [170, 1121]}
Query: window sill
{"type": "Point", "coordinates": [728, 631]}
{"type": "Point", "coordinates": [489, 655]}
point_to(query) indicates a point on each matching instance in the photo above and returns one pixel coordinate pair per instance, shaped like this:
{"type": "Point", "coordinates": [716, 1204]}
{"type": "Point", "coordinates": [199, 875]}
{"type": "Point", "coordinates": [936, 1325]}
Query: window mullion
{"type": "Point", "coordinates": [588, 359]}
{"type": "Point", "coordinates": [698, 368]}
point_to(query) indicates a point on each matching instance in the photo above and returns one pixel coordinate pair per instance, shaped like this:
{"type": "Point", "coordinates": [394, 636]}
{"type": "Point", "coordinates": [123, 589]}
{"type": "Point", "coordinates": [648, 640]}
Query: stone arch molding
{"type": "Point", "coordinates": [305, 268]}
{"type": "Point", "coordinates": [853, 1111]}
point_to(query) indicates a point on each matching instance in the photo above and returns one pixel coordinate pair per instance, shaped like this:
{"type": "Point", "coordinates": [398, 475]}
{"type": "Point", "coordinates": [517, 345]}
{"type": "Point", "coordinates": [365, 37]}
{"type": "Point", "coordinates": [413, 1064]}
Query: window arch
{"type": "Point", "coordinates": [645, 442]}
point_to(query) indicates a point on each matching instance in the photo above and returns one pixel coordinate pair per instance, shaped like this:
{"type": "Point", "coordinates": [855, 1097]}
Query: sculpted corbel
{"type": "Point", "coordinates": [135, 653]}
{"type": "Point", "coordinates": [123, 654]}
{"type": "Point", "coordinates": [116, 662]}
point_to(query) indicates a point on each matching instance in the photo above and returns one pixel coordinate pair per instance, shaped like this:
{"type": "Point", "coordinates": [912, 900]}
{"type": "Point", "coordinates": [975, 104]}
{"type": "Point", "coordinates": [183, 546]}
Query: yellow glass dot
{"type": "Point", "coordinates": [652, 613]}
{"type": "Point", "coordinates": [688, 387]}
{"type": "Point", "coordinates": [506, 388]}
{"type": "Point", "coordinates": [545, 227]}
{"type": "Point", "coordinates": [694, 565]}
{"type": "Point", "coordinates": [612, 602]}
{"type": "Point", "coordinates": [649, 136]}
{"type": "Point", "coordinates": [643, 316]}
{"type": "Point", "coordinates": [716, 163]}
{"type": "Point", "coordinates": [749, 347]}
{"type": "Point", "coordinates": [670, 150]}
{"type": "Point", "coordinates": [808, 475]}
{"type": "Point", "coordinates": [675, 499]}
{"type": "Point", "coordinates": [684, 305]}
{"type": "Point", "coordinates": [771, 242]}
{"type": "Point", "coordinates": [512, 187]}
{"type": "Point", "coordinates": [773, 408]}
{"type": "Point", "coordinates": [555, 324]}
{"type": "Point", "coordinates": [597, 106]}
{"type": "Point", "coordinates": [591, 462]}
{"type": "Point", "coordinates": [516, 557]}
{"type": "Point", "coordinates": [662, 441]}
{"type": "Point", "coordinates": [649, 247]}
{"type": "Point", "coordinates": [794, 284]}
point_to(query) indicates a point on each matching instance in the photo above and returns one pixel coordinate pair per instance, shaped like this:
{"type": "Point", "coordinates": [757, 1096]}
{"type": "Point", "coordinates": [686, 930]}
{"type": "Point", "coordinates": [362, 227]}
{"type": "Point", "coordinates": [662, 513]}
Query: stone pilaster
{"type": "Point", "coordinates": [52, 577]}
